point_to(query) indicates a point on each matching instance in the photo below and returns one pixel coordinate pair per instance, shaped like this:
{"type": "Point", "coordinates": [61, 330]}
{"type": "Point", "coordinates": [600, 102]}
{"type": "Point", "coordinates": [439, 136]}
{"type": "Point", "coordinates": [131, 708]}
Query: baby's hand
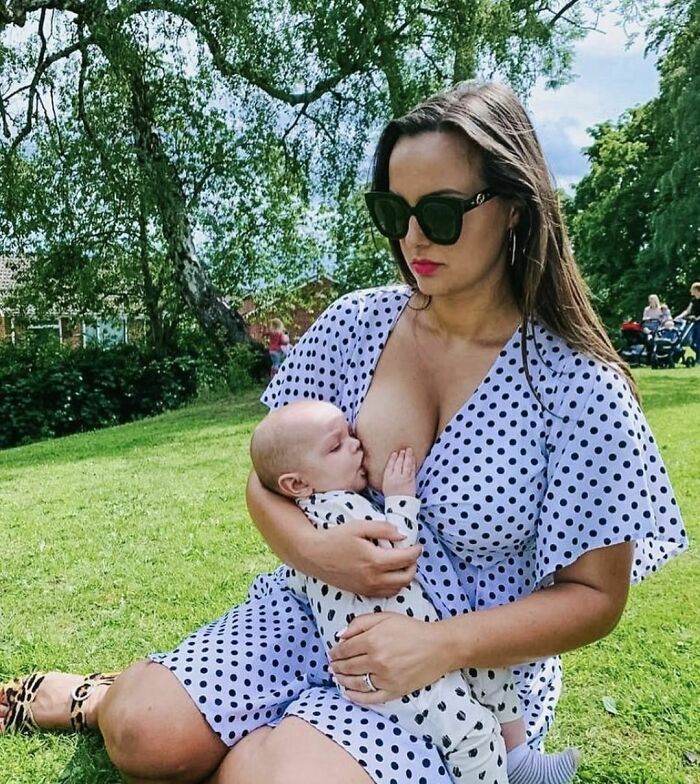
{"type": "Point", "coordinates": [400, 474]}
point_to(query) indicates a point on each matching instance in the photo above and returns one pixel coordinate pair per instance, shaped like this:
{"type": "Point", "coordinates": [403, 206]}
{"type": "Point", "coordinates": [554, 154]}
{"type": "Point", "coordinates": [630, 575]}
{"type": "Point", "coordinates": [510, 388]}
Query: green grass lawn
{"type": "Point", "coordinates": [120, 542]}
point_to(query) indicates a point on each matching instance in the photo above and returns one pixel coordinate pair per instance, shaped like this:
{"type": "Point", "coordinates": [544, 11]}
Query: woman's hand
{"type": "Point", "coordinates": [401, 654]}
{"type": "Point", "coordinates": [346, 556]}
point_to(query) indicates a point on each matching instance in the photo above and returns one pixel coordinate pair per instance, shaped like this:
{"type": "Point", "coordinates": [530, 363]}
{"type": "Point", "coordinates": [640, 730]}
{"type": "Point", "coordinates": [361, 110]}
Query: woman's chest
{"type": "Point", "coordinates": [483, 488]}
{"type": "Point", "coordinates": [412, 398]}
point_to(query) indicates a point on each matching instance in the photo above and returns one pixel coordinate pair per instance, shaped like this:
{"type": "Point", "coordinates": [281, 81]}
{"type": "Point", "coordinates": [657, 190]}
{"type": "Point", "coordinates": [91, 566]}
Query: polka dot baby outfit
{"type": "Point", "coordinates": [446, 712]}
{"type": "Point", "coordinates": [511, 490]}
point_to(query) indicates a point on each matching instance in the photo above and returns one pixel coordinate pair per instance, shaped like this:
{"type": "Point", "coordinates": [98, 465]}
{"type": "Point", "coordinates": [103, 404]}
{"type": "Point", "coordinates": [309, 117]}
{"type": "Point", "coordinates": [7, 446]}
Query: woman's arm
{"type": "Point", "coordinates": [584, 604]}
{"type": "Point", "coordinates": [344, 555]}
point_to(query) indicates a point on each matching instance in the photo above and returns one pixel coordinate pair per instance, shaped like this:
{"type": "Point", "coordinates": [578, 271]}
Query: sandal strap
{"type": "Point", "coordinates": [78, 720]}
{"type": "Point", "coordinates": [19, 696]}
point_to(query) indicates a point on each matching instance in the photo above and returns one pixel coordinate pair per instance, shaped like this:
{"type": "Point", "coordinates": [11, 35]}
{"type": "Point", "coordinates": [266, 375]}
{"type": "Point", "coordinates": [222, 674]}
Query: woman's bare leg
{"type": "Point", "coordinates": [292, 752]}
{"type": "Point", "coordinates": [155, 734]}
{"type": "Point", "coordinates": [153, 731]}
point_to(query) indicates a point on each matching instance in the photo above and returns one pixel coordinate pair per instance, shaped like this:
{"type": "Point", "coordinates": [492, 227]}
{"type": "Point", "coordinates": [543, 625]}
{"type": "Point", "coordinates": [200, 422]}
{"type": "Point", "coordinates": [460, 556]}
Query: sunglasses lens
{"type": "Point", "coordinates": [439, 221]}
{"type": "Point", "coordinates": [390, 216]}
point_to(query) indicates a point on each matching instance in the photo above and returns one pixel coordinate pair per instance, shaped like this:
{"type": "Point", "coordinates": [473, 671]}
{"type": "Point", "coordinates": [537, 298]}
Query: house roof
{"type": "Point", "coordinates": [248, 305]}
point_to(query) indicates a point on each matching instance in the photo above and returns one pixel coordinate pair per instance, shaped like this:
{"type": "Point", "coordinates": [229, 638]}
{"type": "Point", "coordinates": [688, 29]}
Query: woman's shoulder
{"type": "Point", "coordinates": [568, 377]}
{"type": "Point", "coordinates": [384, 297]}
{"type": "Point", "coordinates": [366, 307]}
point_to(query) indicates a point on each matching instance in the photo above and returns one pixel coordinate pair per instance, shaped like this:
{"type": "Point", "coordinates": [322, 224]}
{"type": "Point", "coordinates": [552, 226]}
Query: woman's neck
{"type": "Point", "coordinates": [491, 316]}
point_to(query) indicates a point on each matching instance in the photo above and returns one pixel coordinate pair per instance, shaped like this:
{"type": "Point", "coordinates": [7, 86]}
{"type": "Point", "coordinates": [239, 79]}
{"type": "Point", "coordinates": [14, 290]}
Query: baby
{"type": "Point", "coordinates": [306, 451]}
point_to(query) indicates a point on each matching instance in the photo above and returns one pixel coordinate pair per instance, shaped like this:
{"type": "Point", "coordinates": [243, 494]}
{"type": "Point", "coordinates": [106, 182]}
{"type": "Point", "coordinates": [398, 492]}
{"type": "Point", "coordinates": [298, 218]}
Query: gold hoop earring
{"type": "Point", "coordinates": [512, 242]}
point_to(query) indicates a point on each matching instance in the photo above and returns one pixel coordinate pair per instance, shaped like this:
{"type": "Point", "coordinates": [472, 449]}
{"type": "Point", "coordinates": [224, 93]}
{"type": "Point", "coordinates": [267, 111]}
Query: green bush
{"type": "Point", "coordinates": [49, 391]}
{"type": "Point", "coordinates": [247, 365]}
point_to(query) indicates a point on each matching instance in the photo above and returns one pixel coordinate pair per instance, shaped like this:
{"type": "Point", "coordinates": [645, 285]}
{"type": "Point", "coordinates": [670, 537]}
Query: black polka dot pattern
{"type": "Point", "coordinates": [510, 491]}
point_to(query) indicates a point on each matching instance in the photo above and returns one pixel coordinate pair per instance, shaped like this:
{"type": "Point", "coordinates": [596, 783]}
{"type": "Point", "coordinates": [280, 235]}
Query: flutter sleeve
{"type": "Point", "coordinates": [315, 367]}
{"type": "Point", "coordinates": [606, 481]}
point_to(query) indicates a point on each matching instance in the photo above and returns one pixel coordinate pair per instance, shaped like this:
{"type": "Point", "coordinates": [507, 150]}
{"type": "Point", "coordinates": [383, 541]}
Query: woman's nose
{"type": "Point", "coordinates": [415, 235]}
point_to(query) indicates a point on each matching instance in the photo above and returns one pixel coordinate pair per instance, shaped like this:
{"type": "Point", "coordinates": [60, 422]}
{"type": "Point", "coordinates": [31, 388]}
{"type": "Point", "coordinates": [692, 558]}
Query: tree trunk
{"type": "Point", "coordinates": [151, 294]}
{"type": "Point", "coordinates": [466, 28]}
{"type": "Point", "coordinates": [223, 324]}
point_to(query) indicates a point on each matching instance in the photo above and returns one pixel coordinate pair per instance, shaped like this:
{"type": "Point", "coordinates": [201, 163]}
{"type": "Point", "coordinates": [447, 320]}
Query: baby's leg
{"type": "Point", "coordinates": [466, 733]}
{"type": "Point", "coordinates": [495, 689]}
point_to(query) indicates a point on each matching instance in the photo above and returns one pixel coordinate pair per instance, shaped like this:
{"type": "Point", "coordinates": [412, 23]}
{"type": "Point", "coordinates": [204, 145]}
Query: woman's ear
{"type": "Point", "coordinates": [294, 486]}
{"type": "Point", "coordinates": [513, 216]}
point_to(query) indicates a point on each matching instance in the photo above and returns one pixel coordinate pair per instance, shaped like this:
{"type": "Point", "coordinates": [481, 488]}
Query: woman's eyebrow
{"type": "Point", "coordinates": [441, 192]}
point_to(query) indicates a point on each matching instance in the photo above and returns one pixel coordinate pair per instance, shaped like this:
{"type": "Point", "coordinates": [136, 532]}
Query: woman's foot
{"type": "Point", "coordinates": [51, 704]}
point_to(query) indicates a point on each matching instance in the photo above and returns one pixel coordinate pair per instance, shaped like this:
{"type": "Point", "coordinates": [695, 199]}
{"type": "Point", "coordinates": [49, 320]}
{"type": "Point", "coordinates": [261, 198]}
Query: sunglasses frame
{"type": "Point", "coordinates": [456, 205]}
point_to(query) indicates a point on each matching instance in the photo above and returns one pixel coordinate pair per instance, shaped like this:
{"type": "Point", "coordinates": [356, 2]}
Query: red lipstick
{"type": "Point", "coordinates": [424, 266]}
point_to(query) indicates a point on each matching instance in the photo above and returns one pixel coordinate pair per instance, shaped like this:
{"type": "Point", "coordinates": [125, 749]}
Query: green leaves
{"type": "Point", "coordinates": [160, 135]}
{"type": "Point", "coordinates": [634, 217]}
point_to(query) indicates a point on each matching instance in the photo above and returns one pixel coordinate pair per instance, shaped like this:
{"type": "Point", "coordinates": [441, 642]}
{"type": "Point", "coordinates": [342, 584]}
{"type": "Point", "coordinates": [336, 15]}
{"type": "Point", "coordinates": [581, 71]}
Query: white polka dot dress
{"type": "Point", "coordinates": [513, 489]}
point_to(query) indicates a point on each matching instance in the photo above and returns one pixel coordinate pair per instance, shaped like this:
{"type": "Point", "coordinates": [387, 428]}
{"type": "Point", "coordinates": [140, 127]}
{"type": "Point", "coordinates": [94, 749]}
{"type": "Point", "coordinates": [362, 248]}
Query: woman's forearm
{"type": "Point", "coordinates": [345, 556]}
{"type": "Point", "coordinates": [567, 615]}
{"type": "Point", "coordinates": [546, 623]}
{"type": "Point", "coordinates": [284, 526]}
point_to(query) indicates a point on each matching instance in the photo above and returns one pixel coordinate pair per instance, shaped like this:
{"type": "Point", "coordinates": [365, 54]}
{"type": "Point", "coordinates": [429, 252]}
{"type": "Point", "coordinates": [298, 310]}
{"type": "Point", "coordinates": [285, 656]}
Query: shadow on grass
{"type": "Point", "coordinates": [172, 427]}
{"type": "Point", "coordinates": [670, 389]}
{"type": "Point", "coordinates": [90, 764]}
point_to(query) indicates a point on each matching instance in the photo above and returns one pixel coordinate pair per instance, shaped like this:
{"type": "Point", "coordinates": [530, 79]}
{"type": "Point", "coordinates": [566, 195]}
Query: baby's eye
{"type": "Point", "coordinates": [335, 448]}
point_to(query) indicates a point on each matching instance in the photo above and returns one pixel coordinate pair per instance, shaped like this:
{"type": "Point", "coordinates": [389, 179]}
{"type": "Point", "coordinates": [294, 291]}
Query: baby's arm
{"type": "Point", "coordinates": [401, 506]}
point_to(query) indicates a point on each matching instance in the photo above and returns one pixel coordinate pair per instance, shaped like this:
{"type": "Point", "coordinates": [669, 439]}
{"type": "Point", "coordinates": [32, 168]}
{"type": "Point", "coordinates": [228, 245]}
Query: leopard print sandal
{"type": "Point", "coordinates": [21, 693]}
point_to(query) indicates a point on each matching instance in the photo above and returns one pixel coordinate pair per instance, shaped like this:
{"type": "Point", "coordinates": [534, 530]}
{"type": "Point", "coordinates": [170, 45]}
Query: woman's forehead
{"type": "Point", "coordinates": [433, 161]}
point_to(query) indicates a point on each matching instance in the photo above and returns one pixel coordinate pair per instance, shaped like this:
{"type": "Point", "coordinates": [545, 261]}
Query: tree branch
{"type": "Point", "coordinates": [558, 15]}
{"type": "Point", "coordinates": [231, 70]}
{"type": "Point", "coordinates": [15, 11]}
{"type": "Point", "coordinates": [43, 64]}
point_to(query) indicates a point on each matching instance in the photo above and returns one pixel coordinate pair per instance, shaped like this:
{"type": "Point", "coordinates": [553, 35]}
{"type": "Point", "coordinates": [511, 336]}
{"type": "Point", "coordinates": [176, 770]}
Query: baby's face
{"type": "Point", "coordinates": [333, 460]}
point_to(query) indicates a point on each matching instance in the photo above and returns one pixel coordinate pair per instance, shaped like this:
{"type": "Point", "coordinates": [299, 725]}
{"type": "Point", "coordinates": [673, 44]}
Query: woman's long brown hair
{"type": "Point", "coordinates": [544, 277]}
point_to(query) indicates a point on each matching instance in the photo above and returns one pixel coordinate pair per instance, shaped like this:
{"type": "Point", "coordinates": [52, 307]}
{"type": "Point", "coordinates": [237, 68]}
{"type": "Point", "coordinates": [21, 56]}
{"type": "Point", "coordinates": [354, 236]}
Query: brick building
{"type": "Point", "coordinates": [298, 308]}
{"type": "Point", "coordinates": [69, 329]}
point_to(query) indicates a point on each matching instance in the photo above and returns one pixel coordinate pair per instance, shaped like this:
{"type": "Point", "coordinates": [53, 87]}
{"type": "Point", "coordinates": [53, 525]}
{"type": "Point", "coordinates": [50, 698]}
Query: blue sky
{"type": "Point", "coordinates": [610, 79]}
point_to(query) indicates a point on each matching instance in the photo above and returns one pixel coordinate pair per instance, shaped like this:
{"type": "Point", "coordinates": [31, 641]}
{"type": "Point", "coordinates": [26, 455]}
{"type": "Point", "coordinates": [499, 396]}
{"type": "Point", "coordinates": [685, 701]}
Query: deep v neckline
{"type": "Point", "coordinates": [384, 340]}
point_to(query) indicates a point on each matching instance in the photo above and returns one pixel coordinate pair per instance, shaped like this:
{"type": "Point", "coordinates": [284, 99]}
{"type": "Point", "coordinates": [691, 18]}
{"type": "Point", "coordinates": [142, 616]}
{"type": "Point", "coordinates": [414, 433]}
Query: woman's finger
{"type": "Point", "coordinates": [378, 697]}
{"type": "Point", "coordinates": [357, 683]}
{"type": "Point", "coordinates": [377, 529]}
{"type": "Point", "coordinates": [346, 668]}
{"type": "Point", "coordinates": [399, 558]}
{"type": "Point", "coordinates": [348, 649]}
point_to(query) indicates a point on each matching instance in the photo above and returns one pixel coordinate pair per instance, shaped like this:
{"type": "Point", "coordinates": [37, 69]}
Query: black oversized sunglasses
{"type": "Point", "coordinates": [440, 217]}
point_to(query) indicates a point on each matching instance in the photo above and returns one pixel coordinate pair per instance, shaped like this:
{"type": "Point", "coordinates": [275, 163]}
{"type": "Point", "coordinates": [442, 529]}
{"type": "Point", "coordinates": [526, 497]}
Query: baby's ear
{"type": "Point", "coordinates": [293, 486]}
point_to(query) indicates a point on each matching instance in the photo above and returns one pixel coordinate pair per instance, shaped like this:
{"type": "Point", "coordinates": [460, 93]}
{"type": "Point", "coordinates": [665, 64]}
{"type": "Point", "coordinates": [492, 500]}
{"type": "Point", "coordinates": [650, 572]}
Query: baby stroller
{"type": "Point", "coordinates": [637, 341]}
{"type": "Point", "coordinates": [667, 345]}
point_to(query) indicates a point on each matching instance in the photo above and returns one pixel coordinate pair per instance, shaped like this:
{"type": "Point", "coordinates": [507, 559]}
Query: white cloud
{"type": "Point", "coordinates": [610, 78]}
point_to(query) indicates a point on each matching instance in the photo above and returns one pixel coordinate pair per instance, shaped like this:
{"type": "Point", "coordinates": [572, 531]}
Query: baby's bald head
{"type": "Point", "coordinates": [311, 440]}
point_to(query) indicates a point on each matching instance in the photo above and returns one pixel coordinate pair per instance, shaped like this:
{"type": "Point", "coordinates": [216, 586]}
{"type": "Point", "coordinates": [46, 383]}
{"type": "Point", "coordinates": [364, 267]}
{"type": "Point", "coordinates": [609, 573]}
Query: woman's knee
{"type": "Point", "coordinates": [152, 729]}
{"type": "Point", "coordinates": [294, 751]}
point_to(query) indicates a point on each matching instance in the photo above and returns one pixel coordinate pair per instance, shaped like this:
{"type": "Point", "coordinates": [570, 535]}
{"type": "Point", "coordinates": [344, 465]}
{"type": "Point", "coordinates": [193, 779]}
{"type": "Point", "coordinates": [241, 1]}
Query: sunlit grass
{"type": "Point", "coordinates": [120, 542]}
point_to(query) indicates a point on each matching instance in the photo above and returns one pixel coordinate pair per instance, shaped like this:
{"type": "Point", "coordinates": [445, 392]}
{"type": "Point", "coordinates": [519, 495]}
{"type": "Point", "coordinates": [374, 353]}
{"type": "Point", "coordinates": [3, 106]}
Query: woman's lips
{"type": "Point", "coordinates": [424, 266]}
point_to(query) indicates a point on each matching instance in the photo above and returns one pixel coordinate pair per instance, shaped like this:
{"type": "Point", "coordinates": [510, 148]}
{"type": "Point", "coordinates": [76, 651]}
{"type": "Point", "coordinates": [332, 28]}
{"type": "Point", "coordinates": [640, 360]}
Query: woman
{"type": "Point", "coordinates": [542, 488]}
{"type": "Point", "coordinates": [654, 311]}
